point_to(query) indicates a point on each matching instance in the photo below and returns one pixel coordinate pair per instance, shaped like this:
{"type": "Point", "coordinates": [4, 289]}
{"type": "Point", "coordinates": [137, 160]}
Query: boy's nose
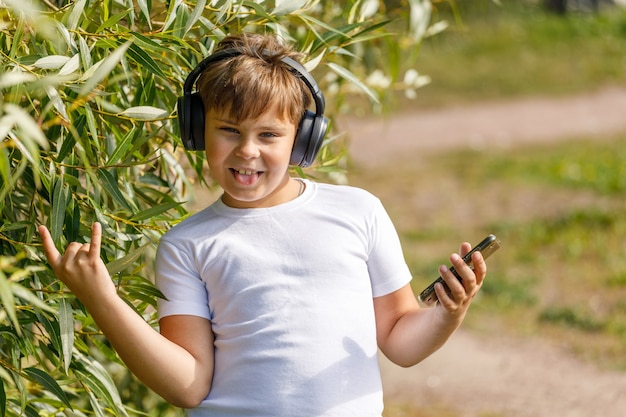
{"type": "Point", "coordinates": [247, 148]}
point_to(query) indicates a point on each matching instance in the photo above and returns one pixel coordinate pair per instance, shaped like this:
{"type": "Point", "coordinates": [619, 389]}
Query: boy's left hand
{"type": "Point", "coordinates": [461, 293]}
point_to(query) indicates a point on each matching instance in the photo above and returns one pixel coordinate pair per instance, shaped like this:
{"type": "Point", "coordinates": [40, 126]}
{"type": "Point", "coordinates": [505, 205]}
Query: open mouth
{"type": "Point", "coordinates": [246, 176]}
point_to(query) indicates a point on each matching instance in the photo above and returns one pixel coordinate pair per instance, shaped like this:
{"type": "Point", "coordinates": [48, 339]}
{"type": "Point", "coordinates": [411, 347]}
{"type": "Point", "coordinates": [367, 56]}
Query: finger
{"type": "Point", "coordinates": [96, 239]}
{"type": "Point", "coordinates": [51, 252]}
{"type": "Point", "coordinates": [468, 278]}
{"type": "Point", "coordinates": [464, 248]}
{"type": "Point", "coordinates": [480, 267]}
{"type": "Point", "coordinates": [453, 284]}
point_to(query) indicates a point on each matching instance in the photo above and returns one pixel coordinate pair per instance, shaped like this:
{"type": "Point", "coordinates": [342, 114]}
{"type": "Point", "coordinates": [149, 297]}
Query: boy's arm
{"type": "Point", "coordinates": [406, 333]}
{"type": "Point", "coordinates": [177, 364]}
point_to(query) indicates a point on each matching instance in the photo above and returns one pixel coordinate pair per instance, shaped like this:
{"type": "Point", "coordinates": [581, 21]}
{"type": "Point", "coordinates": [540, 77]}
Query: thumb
{"type": "Point", "coordinates": [52, 254]}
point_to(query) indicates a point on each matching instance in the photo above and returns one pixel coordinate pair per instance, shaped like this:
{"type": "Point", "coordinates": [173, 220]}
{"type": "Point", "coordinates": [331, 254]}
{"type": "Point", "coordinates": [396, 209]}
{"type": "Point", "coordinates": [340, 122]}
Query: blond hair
{"type": "Point", "coordinates": [255, 81]}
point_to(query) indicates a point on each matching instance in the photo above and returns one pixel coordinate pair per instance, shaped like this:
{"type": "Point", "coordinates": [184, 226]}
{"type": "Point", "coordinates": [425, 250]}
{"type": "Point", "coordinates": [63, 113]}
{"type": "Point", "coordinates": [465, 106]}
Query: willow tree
{"type": "Point", "coordinates": [88, 132]}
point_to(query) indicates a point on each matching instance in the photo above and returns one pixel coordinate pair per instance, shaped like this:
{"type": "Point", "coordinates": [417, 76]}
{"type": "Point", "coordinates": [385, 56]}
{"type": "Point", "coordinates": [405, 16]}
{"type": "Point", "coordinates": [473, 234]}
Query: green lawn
{"type": "Point", "coordinates": [518, 50]}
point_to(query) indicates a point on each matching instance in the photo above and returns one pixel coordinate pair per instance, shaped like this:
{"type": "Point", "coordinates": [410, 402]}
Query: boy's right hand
{"type": "Point", "coordinates": [81, 267]}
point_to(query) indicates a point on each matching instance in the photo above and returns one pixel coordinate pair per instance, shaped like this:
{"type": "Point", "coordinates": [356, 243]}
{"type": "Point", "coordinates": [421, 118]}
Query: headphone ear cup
{"type": "Point", "coordinates": [182, 107]}
{"type": "Point", "coordinates": [320, 125]}
{"type": "Point", "coordinates": [301, 142]}
{"type": "Point", "coordinates": [191, 121]}
{"type": "Point", "coordinates": [196, 120]}
{"type": "Point", "coordinates": [309, 138]}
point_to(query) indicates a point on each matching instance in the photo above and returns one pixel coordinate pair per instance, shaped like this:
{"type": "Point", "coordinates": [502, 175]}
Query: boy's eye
{"type": "Point", "coordinates": [229, 129]}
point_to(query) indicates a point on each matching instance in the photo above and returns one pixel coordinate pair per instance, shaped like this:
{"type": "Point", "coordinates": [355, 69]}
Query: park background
{"type": "Point", "coordinates": [558, 284]}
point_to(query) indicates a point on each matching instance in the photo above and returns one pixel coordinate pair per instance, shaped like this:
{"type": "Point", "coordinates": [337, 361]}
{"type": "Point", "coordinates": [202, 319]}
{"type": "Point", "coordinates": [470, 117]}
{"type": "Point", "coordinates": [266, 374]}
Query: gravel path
{"type": "Point", "coordinates": [484, 375]}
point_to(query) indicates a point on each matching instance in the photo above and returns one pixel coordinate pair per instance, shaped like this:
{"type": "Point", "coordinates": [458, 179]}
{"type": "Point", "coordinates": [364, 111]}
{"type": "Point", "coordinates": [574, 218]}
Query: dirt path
{"type": "Point", "coordinates": [499, 124]}
{"type": "Point", "coordinates": [484, 375]}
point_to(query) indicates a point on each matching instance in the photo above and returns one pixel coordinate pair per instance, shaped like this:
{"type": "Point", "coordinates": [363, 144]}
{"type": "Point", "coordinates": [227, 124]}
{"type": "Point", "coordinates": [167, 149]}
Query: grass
{"type": "Point", "coordinates": [516, 49]}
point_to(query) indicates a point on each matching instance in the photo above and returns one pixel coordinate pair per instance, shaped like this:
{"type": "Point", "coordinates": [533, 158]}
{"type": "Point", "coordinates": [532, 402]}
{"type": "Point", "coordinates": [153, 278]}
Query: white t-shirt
{"type": "Point", "coordinates": [288, 290]}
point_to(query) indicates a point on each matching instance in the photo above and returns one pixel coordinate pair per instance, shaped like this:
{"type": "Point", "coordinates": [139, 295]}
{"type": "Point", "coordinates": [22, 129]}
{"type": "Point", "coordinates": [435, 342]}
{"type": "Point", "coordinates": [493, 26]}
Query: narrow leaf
{"type": "Point", "coordinates": [122, 147]}
{"type": "Point", "coordinates": [104, 68]}
{"type": "Point", "coordinates": [74, 17]}
{"type": "Point", "coordinates": [71, 66]}
{"type": "Point", "coordinates": [171, 14]}
{"type": "Point", "coordinates": [112, 21]}
{"type": "Point", "coordinates": [66, 326]}
{"type": "Point", "coordinates": [51, 62]}
{"type": "Point", "coordinates": [142, 58]}
{"type": "Point", "coordinates": [284, 7]}
{"type": "Point", "coordinates": [143, 6]}
{"type": "Point", "coordinates": [9, 79]}
{"type": "Point", "coordinates": [154, 211]}
{"type": "Point", "coordinates": [48, 383]}
{"type": "Point", "coordinates": [99, 381]}
{"type": "Point", "coordinates": [145, 113]}
{"type": "Point", "coordinates": [111, 186]}
{"type": "Point", "coordinates": [121, 264]}
{"type": "Point", "coordinates": [57, 215]}
{"type": "Point", "coordinates": [3, 399]}
{"type": "Point", "coordinates": [8, 302]}
{"type": "Point", "coordinates": [343, 72]}
{"type": "Point", "coordinates": [28, 125]}
{"type": "Point", "coordinates": [195, 15]}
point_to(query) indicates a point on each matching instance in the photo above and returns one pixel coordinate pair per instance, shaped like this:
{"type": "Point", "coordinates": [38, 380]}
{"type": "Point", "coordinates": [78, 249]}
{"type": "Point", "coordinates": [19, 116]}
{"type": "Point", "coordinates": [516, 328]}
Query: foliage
{"type": "Point", "coordinates": [88, 132]}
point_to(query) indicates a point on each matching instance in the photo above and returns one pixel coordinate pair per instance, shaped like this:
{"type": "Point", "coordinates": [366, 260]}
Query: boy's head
{"type": "Point", "coordinates": [248, 75]}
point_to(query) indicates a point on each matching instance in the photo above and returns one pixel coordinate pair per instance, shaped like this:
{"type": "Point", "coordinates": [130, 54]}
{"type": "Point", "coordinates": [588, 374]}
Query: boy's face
{"type": "Point", "coordinates": [250, 159]}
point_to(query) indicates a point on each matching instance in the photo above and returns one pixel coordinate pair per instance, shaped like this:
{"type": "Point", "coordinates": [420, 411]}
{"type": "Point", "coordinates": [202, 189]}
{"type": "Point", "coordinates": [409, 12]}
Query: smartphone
{"type": "Point", "coordinates": [489, 245]}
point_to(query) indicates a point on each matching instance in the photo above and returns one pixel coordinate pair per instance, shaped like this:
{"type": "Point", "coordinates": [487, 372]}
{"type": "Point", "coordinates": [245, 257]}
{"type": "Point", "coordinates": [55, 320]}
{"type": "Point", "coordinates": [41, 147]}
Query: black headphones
{"type": "Point", "coordinates": [311, 129]}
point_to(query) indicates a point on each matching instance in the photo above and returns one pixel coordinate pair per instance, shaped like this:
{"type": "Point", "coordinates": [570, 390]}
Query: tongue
{"type": "Point", "coordinates": [246, 179]}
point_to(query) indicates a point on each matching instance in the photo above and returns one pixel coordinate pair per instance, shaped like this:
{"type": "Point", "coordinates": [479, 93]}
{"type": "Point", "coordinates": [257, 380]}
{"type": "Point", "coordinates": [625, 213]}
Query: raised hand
{"type": "Point", "coordinates": [81, 267]}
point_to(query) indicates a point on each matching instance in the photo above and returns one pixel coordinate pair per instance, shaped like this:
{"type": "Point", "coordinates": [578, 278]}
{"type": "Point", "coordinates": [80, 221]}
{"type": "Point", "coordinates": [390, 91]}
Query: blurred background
{"type": "Point", "coordinates": [521, 133]}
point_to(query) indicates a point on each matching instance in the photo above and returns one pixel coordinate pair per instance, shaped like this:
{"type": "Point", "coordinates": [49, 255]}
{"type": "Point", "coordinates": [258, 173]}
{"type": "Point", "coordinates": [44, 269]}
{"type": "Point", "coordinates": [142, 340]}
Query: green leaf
{"type": "Point", "coordinates": [113, 20]}
{"type": "Point", "coordinates": [345, 73]}
{"type": "Point", "coordinates": [102, 69]}
{"type": "Point", "coordinates": [143, 59]}
{"type": "Point", "coordinates": [154, 211]}
{"type": "Point", "coordinates": [3, 399]}
{"type": "Point", "coordinates": [4, 166]}
{"type": "Point", "coordinates": [66, 327]}
{"type": "Point", "coordinates": [284, 7]}
{"type": "Point", "coordinates": [195, 15]}
{"type": "Point", "coordinates": [8, 302]}
{"type": "Point", "coordinates": [57, 215]}
{"type": "Point", "coordinates": [143, 6]}
{"type": "Point", "coordinates": [98, 380]}
{"type": "Point", "coordinates": [259, 9]}
{"type": "Point", "coordinates": [51, 62]}
{"type": "Point", "coordinates": [145, 113]}
{"type": "Point", "coordinates": [122, 148]}
{"type": "Point", "coordinates": [119, 265]}
{"type": "Point", "coordinates": [172, 10]}
{"type": "Point", "coordinates": [48, 383]}
{"type": "Point", "coordinates": [75, 14]}
{"type": "Point", "coordinates": [110, 185]}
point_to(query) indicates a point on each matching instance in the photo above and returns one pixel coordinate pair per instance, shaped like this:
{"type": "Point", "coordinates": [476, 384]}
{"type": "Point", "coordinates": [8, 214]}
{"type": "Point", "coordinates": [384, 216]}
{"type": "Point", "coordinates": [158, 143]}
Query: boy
{"type": "Point", "coordinates": [280, 293]}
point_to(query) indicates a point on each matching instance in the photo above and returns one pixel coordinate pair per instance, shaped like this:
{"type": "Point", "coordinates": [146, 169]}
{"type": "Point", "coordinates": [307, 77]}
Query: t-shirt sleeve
{"type": "Point", "coordinates": [386, 264]}
{"type": "Point", "coordinates": [179, 281]}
